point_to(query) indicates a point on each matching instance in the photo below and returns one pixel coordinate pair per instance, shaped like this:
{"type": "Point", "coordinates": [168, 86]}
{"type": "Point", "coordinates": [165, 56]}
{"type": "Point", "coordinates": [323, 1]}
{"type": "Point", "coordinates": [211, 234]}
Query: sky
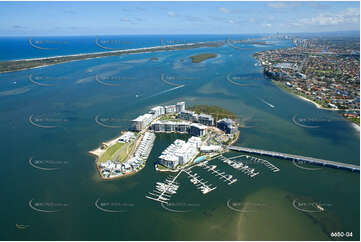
{"type": "Point", "coordinates": [115, 18]}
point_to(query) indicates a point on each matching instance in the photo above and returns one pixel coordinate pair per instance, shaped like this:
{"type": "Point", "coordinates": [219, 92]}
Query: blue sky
{"type": "Point", "coordinates": [100, 18]}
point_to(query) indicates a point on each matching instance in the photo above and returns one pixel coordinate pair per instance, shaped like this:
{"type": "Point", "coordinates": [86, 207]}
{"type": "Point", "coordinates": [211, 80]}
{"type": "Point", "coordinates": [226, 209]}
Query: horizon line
{"type": "Point", "coordinates": [155, 34]}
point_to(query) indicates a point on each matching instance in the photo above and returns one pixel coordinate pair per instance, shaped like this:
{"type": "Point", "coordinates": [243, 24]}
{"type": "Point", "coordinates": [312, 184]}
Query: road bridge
{"type": "Point", "coordinates": [310, 160]}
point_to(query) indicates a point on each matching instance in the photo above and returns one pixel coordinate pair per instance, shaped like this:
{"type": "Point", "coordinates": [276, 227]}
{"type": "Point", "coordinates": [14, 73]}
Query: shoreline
{"type": "Point", "coordinates": [99, 151]}
{"type": "Point", "coordinates": [319, 106]}
{"type": "Point", "coordinates": [25, 64]}
{"type": "Point", "coordinates": [356, 126]}
{"type": "Point", "coordinates": [110, 51]}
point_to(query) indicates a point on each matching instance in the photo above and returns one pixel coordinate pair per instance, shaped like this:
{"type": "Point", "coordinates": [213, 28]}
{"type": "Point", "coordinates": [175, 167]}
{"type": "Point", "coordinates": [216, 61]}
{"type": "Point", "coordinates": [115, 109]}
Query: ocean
{"type": "Point", "coordinates": [47, 115]}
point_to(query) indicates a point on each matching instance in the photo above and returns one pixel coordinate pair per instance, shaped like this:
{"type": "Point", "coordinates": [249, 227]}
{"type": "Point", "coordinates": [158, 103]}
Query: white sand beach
{"type": "Point", "coordinates": [99, 151]}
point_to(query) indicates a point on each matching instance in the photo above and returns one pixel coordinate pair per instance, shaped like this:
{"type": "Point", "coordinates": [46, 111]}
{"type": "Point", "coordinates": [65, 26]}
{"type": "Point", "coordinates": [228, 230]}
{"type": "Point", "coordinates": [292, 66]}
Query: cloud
{"type": "Point", "coordinates": [228, 20]}
{"type": "Point", "coordinates": [69, 11]}
{"type": "Point", "coordinates": [224, 10]}
{"type": "Point", "coordinates": [268, 25]}
{"type": "Point", "coordinates": [171, 14]}
{"type": "Point", "coordinates": [193, 19]}
{"type": "Point", "coordinates": [252, 20]}
{"type": "Point", "coordinates": [348, 16]}
{"type": "Point", "coordinates": [125, 19]}
{"type": "Point", "coordinates": [130, 21]}
{"type": "Point", "coordinates": [282, 4]}
{"type": "Point", "coordinates": [140, 8]}
{"type": "Point", "coordinates": [17, 27]}
{"type": "Point", "coordinates": [217, 18]}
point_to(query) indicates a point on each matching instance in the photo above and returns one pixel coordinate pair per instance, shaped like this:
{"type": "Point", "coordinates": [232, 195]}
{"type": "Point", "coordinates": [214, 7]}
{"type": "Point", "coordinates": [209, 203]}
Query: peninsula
{"type": "Point", "coordinates": [127, 154]}
{"type": "Point", "coordinates": [17, 65]}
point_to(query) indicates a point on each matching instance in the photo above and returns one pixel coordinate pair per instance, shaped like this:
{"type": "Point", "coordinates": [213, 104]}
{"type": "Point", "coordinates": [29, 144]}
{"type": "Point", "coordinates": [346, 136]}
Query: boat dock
{"type": "Point", "coordinates": [240, 166]}
{"type": "Point", "coordinates": [268, 164]}
{"type": "Point", "coordinates": [225, 177]}
{"type": "Point", "coordinates": [164, 190]}
{"type": "Point", "coordinates": [199, 183]}
{"type": "Point", "coordinates": [310, 160]}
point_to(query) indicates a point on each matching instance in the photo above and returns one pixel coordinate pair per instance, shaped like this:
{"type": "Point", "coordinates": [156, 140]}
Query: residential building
{"type": "Point", "coordinates": [169, 126]}
{"type": "Point", "coordinates": [206, 119]}
{"type": "Point", "coordinates": [197, 129]}
{"type": "Point", "coordinates": [180, 152]}
{"type": "Point", "coordinates": [126, 137]}
{"type": "Point", "coordinates": [180, 107]}
{"type": "Point", "coordinates": [157, 111]}
{"type": "Point", "coordinates": [188, 115]}
{"type": "Point", "coordinates": [170, 109]}
{"type": "Point", "coordinates": [142, 121]}
{"type": "Point", "coordinates": [227, 125]}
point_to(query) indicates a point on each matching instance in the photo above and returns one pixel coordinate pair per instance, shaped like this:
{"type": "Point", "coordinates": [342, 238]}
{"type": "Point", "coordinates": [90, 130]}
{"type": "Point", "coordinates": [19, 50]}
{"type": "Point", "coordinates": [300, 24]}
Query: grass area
{"type": "Point", "coordinates": [110, 151]}
{"type": "Point", "coordinates": [124, 151]}
{"type": "Point", "coordinates": [118, 151]}
{"type": "Point", "coordinates": [355, 120]}
{"type": "Point", "coordinates": [202, 57]}
{"type": "Point", "coordinates": [161, 167]}
{"type": "Point", "coordinates": [235, 137]}
{"type": "Point", "coordinates": [215, 111]}
{"type": "Point", "coordinates": [168, 117]}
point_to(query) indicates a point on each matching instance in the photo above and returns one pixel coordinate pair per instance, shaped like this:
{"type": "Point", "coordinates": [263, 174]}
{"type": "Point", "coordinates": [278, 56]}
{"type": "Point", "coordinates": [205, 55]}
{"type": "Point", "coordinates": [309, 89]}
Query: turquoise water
{"type": "Point", "coordinates": [199, 159]}
{"type": "Point", "coordinates": [74, 97]}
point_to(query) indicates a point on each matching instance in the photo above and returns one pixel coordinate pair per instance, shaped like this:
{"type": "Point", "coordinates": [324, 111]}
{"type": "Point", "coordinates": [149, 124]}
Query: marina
{"type": "Point", "coordinates": [222, 175]}
{"type": "Point", "coordinates": [199, 182]}
{"type": "Point", "coordinates": [240, 166]}
{"type": "Point", "coordinates": [266, 163]}
{"type": "Point", "coordinates": [164, 190]}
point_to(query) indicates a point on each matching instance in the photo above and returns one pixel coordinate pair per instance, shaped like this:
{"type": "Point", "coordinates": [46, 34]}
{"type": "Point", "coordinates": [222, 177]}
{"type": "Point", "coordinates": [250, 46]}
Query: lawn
{"type": "Point", "coordinates": [118, 151]}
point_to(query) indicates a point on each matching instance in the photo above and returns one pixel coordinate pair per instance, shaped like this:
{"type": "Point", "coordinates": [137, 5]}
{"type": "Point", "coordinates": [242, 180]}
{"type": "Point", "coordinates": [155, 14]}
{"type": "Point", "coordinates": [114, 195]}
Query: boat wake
{"type": "Point", "coordinates": [267, 103]}
{"type": "Point", "coordinates": [165, 91]}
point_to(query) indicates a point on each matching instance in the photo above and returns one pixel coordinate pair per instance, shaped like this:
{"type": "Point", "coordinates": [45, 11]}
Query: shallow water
{"type": "Point", "coordinates": [74, 98]}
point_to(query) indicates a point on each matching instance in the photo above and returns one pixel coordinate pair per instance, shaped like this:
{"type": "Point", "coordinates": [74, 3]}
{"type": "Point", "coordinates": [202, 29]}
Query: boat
{"type": "Point", "coordinates": [319, 207]}
{"type": "Point", "coordinates": [254, 174]}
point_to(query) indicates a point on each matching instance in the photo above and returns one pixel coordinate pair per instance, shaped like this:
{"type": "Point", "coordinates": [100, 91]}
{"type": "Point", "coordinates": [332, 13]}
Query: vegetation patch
{"type": "Point", "coordinates": [215, 111]}
{"type": "Point", "coordinates": [202, 57]}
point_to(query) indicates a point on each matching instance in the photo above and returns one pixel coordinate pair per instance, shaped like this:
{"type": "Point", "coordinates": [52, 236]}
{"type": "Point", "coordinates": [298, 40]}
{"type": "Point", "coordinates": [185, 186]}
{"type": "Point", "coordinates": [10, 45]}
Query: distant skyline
{"type": "Point", "coordinates": [115, 18]}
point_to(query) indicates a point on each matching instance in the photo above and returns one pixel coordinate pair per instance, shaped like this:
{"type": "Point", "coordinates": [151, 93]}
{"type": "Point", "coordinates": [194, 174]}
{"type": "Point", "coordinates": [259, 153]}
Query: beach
{"type": "Point", "coordinates": [24, 64]}
{"type": "Point", "coordinates": [99, 151]}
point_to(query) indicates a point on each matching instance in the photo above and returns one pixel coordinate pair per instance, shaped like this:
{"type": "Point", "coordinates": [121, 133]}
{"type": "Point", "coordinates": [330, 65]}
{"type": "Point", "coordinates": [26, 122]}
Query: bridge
{"type": "Point", "coordinates": [311, 160]}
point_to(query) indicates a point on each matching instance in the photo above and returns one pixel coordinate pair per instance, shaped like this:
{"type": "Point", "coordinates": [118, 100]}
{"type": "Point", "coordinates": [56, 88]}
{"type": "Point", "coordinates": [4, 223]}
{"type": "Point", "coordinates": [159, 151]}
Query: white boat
{"type": "Point", "coordinates": [212, 168]}
{"type": "Point", "coordinates": [254, 174]}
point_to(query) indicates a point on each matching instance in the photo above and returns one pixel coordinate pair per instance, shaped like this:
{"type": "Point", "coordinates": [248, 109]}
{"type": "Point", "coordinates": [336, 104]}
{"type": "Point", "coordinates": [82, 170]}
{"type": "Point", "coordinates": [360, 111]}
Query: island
{"type": "Point", "coordinates": [202, 57]}
{"type": "Point", "coordinates": [17, 65]}
{"type": "Point", "coordinates": [210, 136]}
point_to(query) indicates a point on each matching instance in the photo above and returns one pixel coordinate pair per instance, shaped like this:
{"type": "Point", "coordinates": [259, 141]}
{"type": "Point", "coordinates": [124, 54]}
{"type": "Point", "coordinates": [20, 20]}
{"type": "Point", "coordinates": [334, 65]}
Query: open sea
{"type": "Point", "coordinates": [48, 116]}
